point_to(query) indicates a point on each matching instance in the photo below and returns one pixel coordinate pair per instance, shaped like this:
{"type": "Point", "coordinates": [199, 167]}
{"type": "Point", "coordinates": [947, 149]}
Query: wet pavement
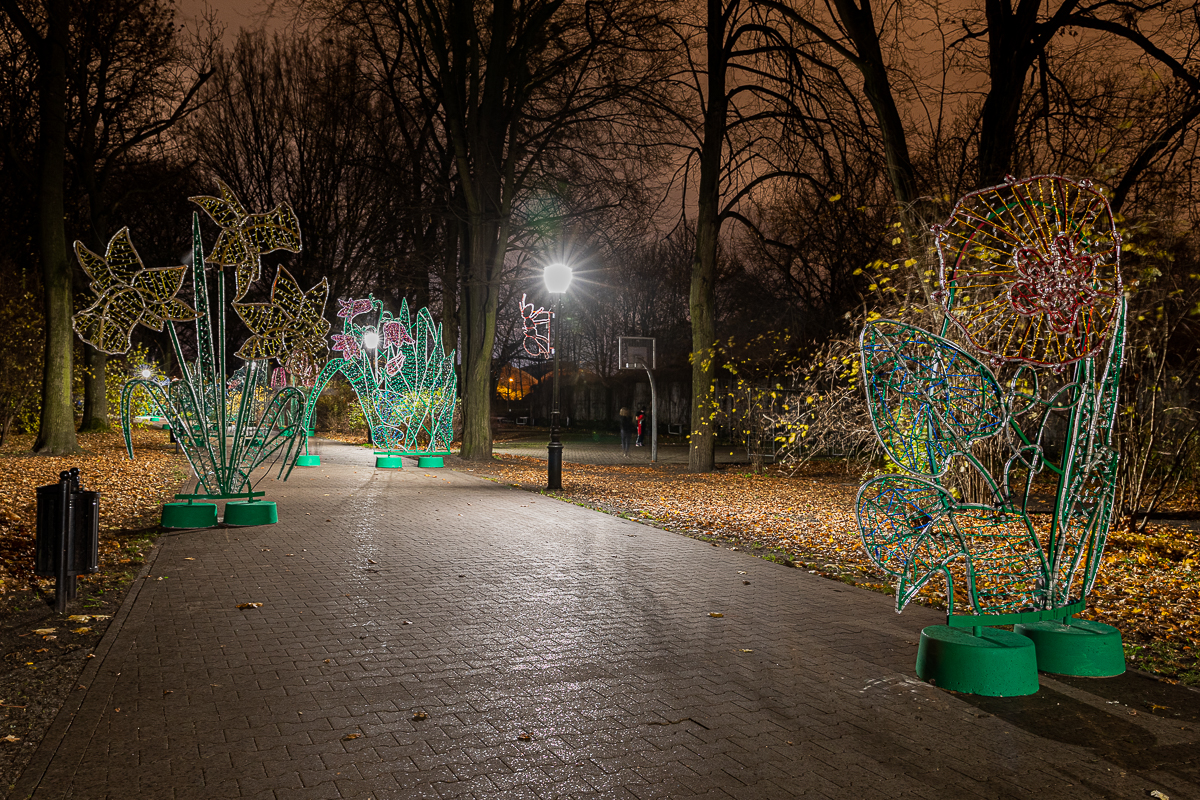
{"type": "Point", "coordinates": [430, 634]}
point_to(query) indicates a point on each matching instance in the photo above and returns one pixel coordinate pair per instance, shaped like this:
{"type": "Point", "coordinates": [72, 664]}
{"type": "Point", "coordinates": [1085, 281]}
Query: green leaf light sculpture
{"type": "Point", "coordinates": [1030, 282]}
{"type": "Point", "coordinates": [403, 376]}
{"type": "Point", "coordinates": [227, 425]}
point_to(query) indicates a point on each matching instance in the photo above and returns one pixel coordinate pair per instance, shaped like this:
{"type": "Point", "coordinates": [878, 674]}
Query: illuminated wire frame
{"type": "Point", "coordinates": [537, 330]}
{"type": "Point", "coordinates": [226, 426]}
{"type": "Point", "coordinates": [403, 376]}
{"type": "Point", "coordinates": [1030, 278]}
{"type": "Point", "coordinates": [1031, 270]}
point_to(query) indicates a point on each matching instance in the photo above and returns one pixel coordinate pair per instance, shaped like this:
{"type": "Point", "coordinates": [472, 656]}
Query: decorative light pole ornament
{"type": "Point", "coordinates": [405, 380]}
{"type": "Point", "coordinates": [226, 426]}
{"type": "Point", "coordinates": [536, 324]}
{"type": "Point", "coordinates": [1030, 278]}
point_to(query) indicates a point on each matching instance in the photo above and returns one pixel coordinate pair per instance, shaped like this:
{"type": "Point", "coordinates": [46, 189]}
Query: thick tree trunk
{"type": "Point", "coordinates": [95, 390]}
{"type": "Point", "coordinates": [702, 445]}
{"type": "Point", "coordinates": [479, 333]}
{"type": "Point", "coordinates": [56, 434]}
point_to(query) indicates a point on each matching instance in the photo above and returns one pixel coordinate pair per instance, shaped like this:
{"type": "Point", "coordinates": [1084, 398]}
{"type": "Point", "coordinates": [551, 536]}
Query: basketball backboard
{"type": "Point", "coordinates": [635, 352]}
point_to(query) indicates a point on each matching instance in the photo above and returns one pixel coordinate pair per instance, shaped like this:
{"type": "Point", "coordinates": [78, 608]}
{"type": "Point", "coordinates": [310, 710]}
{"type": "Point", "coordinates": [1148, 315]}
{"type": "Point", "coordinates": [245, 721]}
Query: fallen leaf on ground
{"type": "Point", "coordinates": [79, 618]}
{"type": "Point", "coordinates": [82, 630]}
{"type": "Point", "coordinates": [44, 631]}
{"type": "Point", "coordinates": [249, 605]}
{"type": "Point", "coordinates": [350, 736]}
{"type": "Point", "coordinates": [420, 715]}
{"type": "Point", "coordinates": [745, 651]}
{"type": "Point", "coordinates": [715, 614]}
{"type": "Point", "coordinates": [525, 737]}
{"type": "Point", "coordinates": [10, 738]}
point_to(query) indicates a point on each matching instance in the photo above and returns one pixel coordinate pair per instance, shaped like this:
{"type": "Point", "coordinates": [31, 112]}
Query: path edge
{"type": "Point", "coordinates": [31, 777]}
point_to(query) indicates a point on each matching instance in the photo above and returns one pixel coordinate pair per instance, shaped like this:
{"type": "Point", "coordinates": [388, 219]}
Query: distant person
{"type": "Point", "coordinates": [641, 427]}
{"type": "Point", "coordinates": [626, 420]}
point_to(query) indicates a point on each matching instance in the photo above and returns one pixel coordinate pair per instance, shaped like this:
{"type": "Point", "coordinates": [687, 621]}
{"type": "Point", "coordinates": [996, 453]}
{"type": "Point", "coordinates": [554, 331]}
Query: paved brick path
{"type": "Point", "coordinates": [502, 614]}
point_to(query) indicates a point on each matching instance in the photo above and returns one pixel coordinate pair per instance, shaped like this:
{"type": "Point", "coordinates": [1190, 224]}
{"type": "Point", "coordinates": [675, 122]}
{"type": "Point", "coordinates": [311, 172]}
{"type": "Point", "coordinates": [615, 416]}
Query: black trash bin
{"type": "Point", "coordinates": [68, 534]}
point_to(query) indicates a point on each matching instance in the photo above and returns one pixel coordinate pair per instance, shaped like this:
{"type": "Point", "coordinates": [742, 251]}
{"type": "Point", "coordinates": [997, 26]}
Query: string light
{"type": "Point", "coordinates": [1031, 279]}
{"type": "Point", "coordinates": [409, 402]}
{"type": "Point", "coordinates": [226, 427]}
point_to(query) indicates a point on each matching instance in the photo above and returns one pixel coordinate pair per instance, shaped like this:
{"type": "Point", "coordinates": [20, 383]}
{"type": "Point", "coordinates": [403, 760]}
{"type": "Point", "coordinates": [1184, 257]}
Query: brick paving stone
{"type": "Point", "coordinates": [500, 613]}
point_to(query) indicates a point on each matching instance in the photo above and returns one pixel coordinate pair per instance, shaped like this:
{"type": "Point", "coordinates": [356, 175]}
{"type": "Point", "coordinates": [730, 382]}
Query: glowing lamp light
{"type": "Point", "coordinates": [146, 373]}
{"type": "Point", "coordinates": [371, 340]}
{"type": "Point", "coordinates": [557, 277]}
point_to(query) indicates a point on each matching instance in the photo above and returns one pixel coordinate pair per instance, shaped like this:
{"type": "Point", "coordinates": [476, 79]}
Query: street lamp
{"type": "Point", "coordinates": [558, 278]}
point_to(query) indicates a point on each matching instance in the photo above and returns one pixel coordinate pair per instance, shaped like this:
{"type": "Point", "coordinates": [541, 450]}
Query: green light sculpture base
{"type": "Point", "coordinates": [389, 462]}
{"type": "Point", "coordinates": [430, 462]}
{"type": "Point", "coordinates": [246, 513]}
{"type": "Point", "coordinates": [996, 663]}
{"type": "Point", "coordinates": [189, 515]}
{"type": "Point", "coordinates": [1081, 647]}
{"type": "Point", "coordinates": [308, 461]}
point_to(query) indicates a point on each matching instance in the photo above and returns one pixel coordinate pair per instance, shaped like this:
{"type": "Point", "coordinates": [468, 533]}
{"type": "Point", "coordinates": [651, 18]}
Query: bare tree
{"type": "Point", "coordinates": [45, 32]}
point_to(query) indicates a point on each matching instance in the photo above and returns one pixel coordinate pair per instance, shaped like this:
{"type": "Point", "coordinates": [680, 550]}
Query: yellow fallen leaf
{"type": "Point", "coordinates": [82, 630]}
{"type": "Point", "coordinates": [350, 736]}
{"type": "Point", "coordinates": [44, 631]}
{"type": "Point", "coordinates": [79, 618]}
{"type": "Point", "coordinates": [10, 738]}
{"type": "Point", "coordinates": [250, 605]}
{"type": "Point", "coordinates": [420, 715]}
{"type": "Point", "coordinates": [745, 651]}
{"type": "Point", "coordinates": [715, 614]}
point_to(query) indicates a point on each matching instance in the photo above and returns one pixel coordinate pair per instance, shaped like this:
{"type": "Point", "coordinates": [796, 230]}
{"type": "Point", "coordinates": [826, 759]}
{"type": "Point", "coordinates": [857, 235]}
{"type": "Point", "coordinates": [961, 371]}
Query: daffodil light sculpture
{"type": "Point", "coordinates": [226, 424]}
{"type": "Point", "coordinates": [403, 376]}
{"type": "Point", "coordinates": [1019, 391]}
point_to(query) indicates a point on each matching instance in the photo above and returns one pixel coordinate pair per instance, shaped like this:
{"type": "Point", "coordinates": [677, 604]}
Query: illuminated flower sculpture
{"type": "Point", "coordinates": [227, 424]}
{"type": "Point", "coordinates": [1030, 278]}
{"type": "Point", "coordinates": [126, 294]}
{"type": "Point", "coordinates": [404, 378]}
{"type": "Point", "coordinates": [1030, 270]}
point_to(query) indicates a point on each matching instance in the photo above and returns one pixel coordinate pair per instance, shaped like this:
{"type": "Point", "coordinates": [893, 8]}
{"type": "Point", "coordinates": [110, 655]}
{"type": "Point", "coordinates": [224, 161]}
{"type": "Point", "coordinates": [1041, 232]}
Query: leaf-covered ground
{"type": "Point", "coordinates": [1149, 587]}
{"type": "Point", "coordinates": [43, 651]}
{"type": "Point", "coordinates": [131, 492]}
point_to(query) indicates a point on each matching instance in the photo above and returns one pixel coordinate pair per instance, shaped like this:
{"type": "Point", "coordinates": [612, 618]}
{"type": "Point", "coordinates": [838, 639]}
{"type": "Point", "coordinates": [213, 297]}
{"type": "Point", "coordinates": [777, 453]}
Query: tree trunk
{"type": "Point", "coordinates": [702, 446]}
{"type": "Point", "coordinates": [56, 433]}
{"type": "Point", "coordinates": [95, 391]}
{"type": "Point", "coordinates": [479, 332]}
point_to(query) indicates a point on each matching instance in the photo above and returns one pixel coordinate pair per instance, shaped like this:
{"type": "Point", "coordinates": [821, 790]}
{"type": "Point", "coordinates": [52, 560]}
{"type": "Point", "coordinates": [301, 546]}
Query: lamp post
{"type": "Point", "coordinates": [371, 342]}
{"type": "Point", "coordinates": [558, 278]}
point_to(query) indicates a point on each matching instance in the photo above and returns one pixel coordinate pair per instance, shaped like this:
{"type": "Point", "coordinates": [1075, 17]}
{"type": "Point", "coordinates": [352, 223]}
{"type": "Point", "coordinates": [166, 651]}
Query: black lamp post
{"type": "Point", "coordinates": [558, 278]}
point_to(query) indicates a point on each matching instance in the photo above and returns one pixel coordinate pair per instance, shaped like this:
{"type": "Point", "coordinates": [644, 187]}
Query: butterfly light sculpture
{"type": "Point", "coordinates": [1029, 356]}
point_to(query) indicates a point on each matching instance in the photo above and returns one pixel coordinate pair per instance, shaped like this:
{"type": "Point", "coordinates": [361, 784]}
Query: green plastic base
{"type": "Point", "coordinates": [997, 663]}
{"type": "Point", "coordinates": [389, 462]}
{"type": "Point", "coordinates": [166, 426]}
{"type": "Point", "coordinates": [430, 462]}
{"type": "Point", "coordinates": [189, 515]}
{"type": "Point", "coordinates": [308, 461]}
{"type": "Point", "coordinates": [246, 513]}
{"type": "Point", "coordinates": [1082, 647]}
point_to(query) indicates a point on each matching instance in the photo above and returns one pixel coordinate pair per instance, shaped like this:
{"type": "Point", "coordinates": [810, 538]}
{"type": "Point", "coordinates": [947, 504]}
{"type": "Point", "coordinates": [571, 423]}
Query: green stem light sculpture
{"type": "Point", "coordinates": [227, 426]}
{"type": "Point", "coordinates": [402, 375]}
{"type": "Point", "coordinates": [1030, 281]}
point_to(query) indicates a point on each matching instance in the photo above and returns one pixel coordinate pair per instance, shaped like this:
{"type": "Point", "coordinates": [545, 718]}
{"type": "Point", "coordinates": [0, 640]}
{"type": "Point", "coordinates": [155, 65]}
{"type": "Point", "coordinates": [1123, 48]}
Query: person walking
{"type": "Point", "coordinates": [641, 427]}
{"type": "Point", "coordinates": [626, 420]}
